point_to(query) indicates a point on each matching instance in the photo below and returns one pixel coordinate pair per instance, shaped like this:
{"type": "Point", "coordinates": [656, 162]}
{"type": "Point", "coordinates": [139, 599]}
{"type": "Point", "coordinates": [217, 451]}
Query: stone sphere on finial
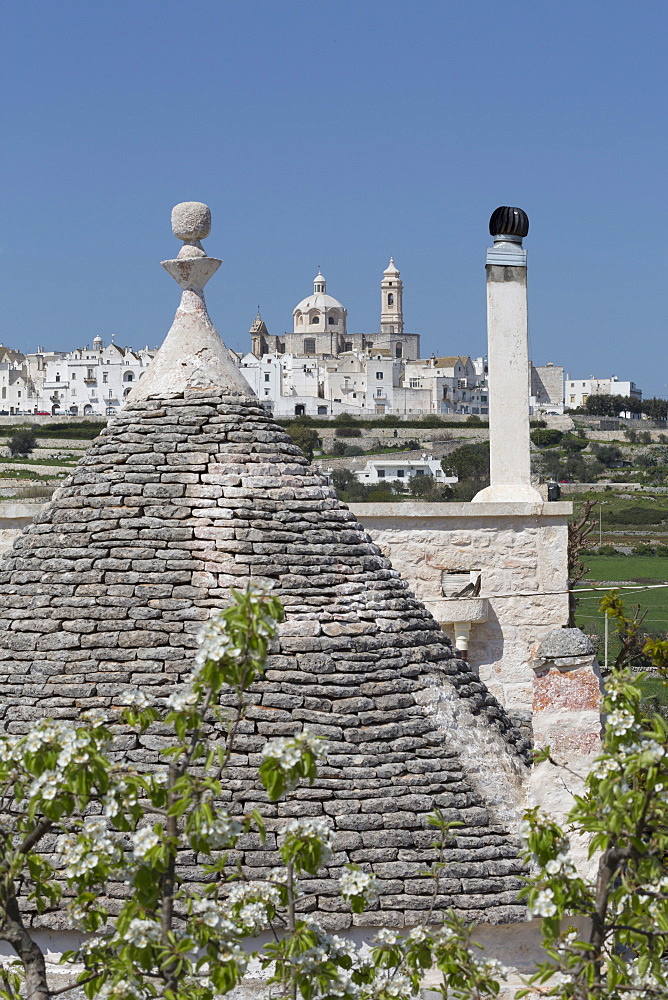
{"type": "Point", "coordinates": [191, 221]}
{"type": "Point", "coordinates": [509, 222]}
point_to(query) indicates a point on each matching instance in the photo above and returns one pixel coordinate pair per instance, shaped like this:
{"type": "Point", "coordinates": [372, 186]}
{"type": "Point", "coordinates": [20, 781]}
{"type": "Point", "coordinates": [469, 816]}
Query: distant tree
{"type": "Point", "coordinates": [345, 420]}
{"type": "Point", "coordinates": [22, 441]}
{"type": "Point", "coordinates": [546, 438]}
{"type": "Point", "coordinates": [304, 437]}
{"type": "Point", "coordinates": [468, 462]}
{"type": "Point", "coordinates": [428, 488]}
{"type": "Point", "coordinates": [572, 443]}
{"type": "Point", "coordinates": [607, 454]}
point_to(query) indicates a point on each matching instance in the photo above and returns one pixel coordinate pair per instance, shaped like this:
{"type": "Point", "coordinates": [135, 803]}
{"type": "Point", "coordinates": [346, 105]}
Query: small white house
{"type": "Point", "coordinates": [383, 469]}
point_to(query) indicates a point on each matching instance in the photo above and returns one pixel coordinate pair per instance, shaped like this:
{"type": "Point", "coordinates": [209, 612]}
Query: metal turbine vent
{"type": "Point", "coordinates": [509, 222]}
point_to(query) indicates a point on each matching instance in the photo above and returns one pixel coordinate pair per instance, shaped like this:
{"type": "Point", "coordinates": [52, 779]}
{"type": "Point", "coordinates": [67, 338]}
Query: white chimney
{"type": "Point", "coordinates": [508, 350]}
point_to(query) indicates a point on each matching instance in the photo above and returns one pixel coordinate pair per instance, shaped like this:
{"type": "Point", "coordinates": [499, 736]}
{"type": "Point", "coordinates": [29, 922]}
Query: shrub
{"type": "Point", "coordinates": [607, 454]}
{"type": "Point", "coordinates": [662, 550]}
{"type": "Point", "coordinates": [545, 437]}
{"type": "Point", "coordinates": [304, 437]}
{"type": "Point", "coordinates": [573, 443]}
{"type": "Point", "coordinates": [77, 429]}
{"type": "Point", "coordinates": [430, 420]}
{"type": "Point", "coordinates": [642, 550]}
{"type": "Point", "coordinates": [538, 423]}
{"type": "Point", "coordinates": [608, 550]}
{"type": "Point", "coordinates": [22, 441]}
{"type": "Point", "coordinates": [351, 450]}
{"type": "Point", "coordinates": [338, 448]}
{"type": "Point", "coordinates": [348, 432]}
{"type": "Point", "coordinates": [474, 419]}
{"type": "Point", "coordinates": [345, 420]}
{"type": "Point", "coordinates": [636, 515]}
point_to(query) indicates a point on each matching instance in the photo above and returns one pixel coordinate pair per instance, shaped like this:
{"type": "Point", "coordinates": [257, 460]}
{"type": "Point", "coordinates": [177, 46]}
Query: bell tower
{"type": "Point", "coordinates": [391, 301]}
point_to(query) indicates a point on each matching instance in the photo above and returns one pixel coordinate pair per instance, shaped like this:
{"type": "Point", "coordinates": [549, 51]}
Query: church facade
{"type": "Point", "coordinates": [319, 326]}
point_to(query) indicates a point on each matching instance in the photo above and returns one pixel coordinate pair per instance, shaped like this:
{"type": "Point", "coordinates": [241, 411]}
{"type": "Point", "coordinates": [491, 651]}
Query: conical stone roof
{"type": "Point", "coordinates": [194, 489]}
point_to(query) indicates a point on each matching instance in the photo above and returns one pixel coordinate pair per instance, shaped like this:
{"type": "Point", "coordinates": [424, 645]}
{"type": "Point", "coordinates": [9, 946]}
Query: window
{"type": "Point", "coordinates": [74, 375]}
{"type": "Point", "coordinates": [585, 397]}
{"type": "Point", "coordinates": [4, 392]}
{"type": "Point", "coordinates": [381, 473]}
{"type": "Point", "coordinates": [322, 411]}
{"type": "Point", "coordinates": [379, 376]}
{"type": "Point", "coordinates": [309, 345]}
{"type": "Point", "coordinates": [419, 472]}
{"type": "Point", "coordinates": [90, 373]}
{"type": "Point", "coordinates": [369, 343]}
{"type": "Point", "coordinates": [314, 320]}
{"type": "Point", "coordinates": [57, 376]}
{"type": "Point", "coordinates": [390, 299]}
{"type": "Point", "coordinates": [572, 399]}
{"type": "Point", "coordinates": [379, 392]}
{"type": "Point", "coordinates": [267, 377]}
{"type": "Point", "coordinates": [401, 473]}
{"type": "Point", "coordinates": [105, 376]}
{"type": "Point", "coordinates": [398, 350]}
{"type": "Point", "coordinates": [348, 345]}
{"type": "Point", "coordinates": [414, 383]}
{"type": "Point", "coordinates": [331, 320]}
{"type": "Point", "coordinates": [299, 319]}
{"type": "Point", "coordinates": [266, 392]}
{"type": "Point", "coordinates": [483, 399]}
{"type": "Point", "coordinates": [128, 377]}
{"type": "Point", "coordinates": [73, 393]}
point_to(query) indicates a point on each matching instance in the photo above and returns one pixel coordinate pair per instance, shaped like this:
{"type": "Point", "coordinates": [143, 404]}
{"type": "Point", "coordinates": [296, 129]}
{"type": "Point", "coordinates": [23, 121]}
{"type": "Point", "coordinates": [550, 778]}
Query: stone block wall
{"type": "Point", "coordinates": [520, 551]}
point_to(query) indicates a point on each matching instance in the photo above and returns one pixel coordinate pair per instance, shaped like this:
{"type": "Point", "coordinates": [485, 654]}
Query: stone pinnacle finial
{"type": "Point", "coordinates": [507, 221]}
{"type": "Point", "coordinates": [191, 222]}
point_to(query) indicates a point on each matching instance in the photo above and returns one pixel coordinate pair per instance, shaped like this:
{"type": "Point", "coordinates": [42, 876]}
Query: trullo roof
{"type": "Point", "coordinates": [193, 489]}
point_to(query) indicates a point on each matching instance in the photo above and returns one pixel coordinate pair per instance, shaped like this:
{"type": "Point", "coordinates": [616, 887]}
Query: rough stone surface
{"type": "Point", "coordinates": [177, 501]}
{"type": "Point", "coordinates": [565, 642]}
{"type": "Point", "coordinates": [519, 551]}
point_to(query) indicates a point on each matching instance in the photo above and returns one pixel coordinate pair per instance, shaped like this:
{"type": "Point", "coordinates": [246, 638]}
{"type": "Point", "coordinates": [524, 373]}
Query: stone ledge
{"type": "Point", "coordinates": [561, 508]}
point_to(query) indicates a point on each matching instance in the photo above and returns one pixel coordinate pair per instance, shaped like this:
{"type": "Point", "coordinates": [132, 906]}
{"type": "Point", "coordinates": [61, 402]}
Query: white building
{"type": "Point", "coordinates": [577, 391]}
{"type": "Point", "coordinates": [17, 392]}
{"type": "Point", "coordinates": [402, 470]}
{"type": "Point", "coordinates": [92, 381]}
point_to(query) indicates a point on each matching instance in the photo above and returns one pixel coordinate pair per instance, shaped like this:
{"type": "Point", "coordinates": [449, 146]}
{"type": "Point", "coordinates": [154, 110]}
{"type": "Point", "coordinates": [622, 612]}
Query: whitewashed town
{"type": "Point", "coordinates": [317, 369]}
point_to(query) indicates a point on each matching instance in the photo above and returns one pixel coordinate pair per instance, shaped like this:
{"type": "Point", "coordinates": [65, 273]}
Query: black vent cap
{"type": "Point", "coordinates": [509, 222]}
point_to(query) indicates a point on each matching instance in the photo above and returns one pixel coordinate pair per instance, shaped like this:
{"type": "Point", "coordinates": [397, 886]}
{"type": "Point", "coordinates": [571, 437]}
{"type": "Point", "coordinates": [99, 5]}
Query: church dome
{"type": "Point", "coordinates": [319, 300]}
{"type": "Point", "coordinates": [319, 311]}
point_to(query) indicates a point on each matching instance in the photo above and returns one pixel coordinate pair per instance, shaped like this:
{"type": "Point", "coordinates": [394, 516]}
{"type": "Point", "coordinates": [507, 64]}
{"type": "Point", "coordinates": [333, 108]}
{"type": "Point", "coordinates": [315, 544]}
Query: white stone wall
{"type": "Point", "coordinates": [520, 551]}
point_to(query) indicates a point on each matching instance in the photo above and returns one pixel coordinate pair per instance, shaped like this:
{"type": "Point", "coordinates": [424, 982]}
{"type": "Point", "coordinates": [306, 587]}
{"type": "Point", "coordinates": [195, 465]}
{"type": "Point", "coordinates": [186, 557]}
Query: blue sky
{"type": "Point", "coordinates": [337, 134]}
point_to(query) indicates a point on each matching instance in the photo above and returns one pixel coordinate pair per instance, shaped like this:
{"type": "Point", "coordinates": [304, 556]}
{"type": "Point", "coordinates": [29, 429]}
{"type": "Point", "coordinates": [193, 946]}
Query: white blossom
{"type": "Point", "coordinates": [619, 721]}
{"type": "Point", "coordinates": [543, 905]}
{"type": "Point", "coordinates": [289, 750]}
{"type": "Point", "coordinates": [143, 840]}
{"type": "Point", "coordinates": [183, 699]}
{"type": "Point", "coordinates": [135, 699]}
{"type": "Point", "coordinates": [385, 936]}
{"type": "Point", "coordinates": [222, 831]}
{"type": "Point", "coordinates": [141, 933]}
{"type": "Point", "coordinates": [357, 883]}
{"type": "Point", "coordinates": [214, 915]}
{"type": "Point", "coordinates": [253, 917]}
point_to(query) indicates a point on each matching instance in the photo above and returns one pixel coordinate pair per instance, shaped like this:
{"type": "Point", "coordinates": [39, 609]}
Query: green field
{"type": "Point", "coordinates": [633, 569]}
